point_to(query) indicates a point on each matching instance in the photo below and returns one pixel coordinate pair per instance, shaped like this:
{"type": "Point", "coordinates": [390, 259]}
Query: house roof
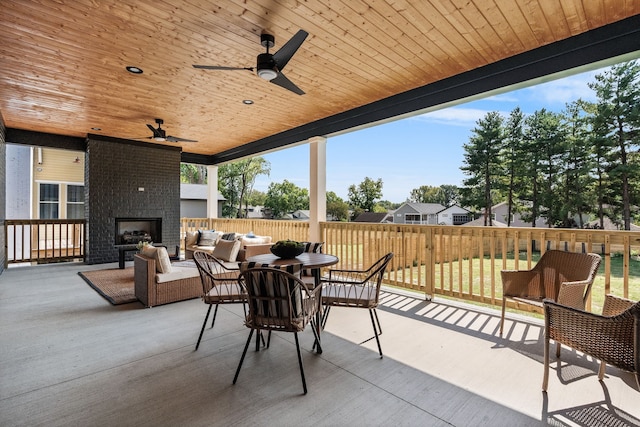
{"type": "Point", "coordinates": [425, 208]}
{"type": "Point", "coordinates": [64, 78]}
{"type": "Point", "coordinates": [371, 217]}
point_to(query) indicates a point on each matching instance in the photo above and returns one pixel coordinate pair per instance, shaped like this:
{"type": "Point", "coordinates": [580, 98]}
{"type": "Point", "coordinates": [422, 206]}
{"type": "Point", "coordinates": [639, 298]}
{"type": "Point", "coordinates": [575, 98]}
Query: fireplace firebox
{"type": "Point", "coordinates": [131, 231]}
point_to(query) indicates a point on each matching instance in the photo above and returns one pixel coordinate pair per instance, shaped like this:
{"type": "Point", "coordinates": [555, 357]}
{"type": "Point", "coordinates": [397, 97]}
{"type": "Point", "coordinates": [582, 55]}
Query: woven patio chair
{"type": "Point", "coordinates": [278, 302]}
{"type": "Point", "coordinates": [613, 337]}
{"type": "Point", "coordinates": [356, 289]}
{"type": "Point", "coordinates": [565, 277]}
{"type": "Point", "coordinates": [220, 285]}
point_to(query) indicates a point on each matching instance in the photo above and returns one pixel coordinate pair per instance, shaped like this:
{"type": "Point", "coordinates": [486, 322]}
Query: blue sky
{"type": "Point", "coordinates": [421, 150]}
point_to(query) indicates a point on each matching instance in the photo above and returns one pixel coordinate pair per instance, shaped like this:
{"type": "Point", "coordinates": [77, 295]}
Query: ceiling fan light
{"type": "Point", "coordinates": [267, 74]}
{"type": "Point", "coordinates": [157, 138]}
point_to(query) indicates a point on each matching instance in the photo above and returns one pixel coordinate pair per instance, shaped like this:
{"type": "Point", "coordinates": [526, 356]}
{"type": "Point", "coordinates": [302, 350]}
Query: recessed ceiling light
{"type": "Point", "coordinates": [96, 128]}
{"type": "Point", "coordinates": [134, 70]}
{"type": "Point", "coordinates": [247, 101]}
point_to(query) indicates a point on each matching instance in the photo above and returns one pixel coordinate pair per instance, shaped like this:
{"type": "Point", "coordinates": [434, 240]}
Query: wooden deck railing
{"type": "Point", "coordinates": [44, 240]}
{"type": "Point", "coordinates": [457, 261]}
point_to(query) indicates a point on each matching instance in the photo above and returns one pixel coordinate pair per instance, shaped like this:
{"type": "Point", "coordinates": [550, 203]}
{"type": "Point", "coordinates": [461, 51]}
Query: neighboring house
{"type": "Point", "coordinates": [193, 201]}
{"type": "Point", "coordinates": [44, 183]}
{"type": "Point", "coordinates": [417, 213]}
{"type": "Point", "coordinates": [378, 217]}
{"type": "Point", "coordinates": [500, 213]}
{"type": "Point", "coordinates": [454, 215]}
{"type": "Point", "coordinates": [301, 215]}
{"type": "Point", "coordinates": [254, 212]}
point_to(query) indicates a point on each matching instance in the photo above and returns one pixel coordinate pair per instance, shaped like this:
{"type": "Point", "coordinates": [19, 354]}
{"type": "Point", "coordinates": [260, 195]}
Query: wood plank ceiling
{"type": "Point", "coordinates": [63, 62]}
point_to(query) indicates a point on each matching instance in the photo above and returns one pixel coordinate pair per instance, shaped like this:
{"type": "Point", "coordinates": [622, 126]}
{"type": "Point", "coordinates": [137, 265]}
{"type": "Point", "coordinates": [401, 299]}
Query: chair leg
{"type": "Point", "coordinates": [215, 313]}
{"type": "Point", "coordinates": [558, 349]}
{"type": "Point", "coordinates": [372, 312]}
{"type": "Point", "coordinates": [244, 353]}
{"type": "Point", "coordinates": [304, 382]}
{"type": "Point", "coordinates": [601, 370]}
{"type": "Point", "coordinates": [325, 316]}
{"type": "Point", "coordinates": [204, 324]}
{"type": "Point", "coordinates": [504, 302]}
{"type": "Point", "coordinates": [375, 312]}
{"type": "Point", "coordinates": [545, 376]}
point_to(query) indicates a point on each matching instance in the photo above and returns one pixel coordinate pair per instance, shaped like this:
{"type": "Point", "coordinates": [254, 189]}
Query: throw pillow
{"type": "Point", "coordinates": [227, 250]}
{"type": "Point", "coordinates": [208, 238]}
{"type": "Point", "coordinates": [163, 263]}
{"type": "Point", "coordinates": [149, 251]}
{"type": "Point", "coordinates": [191, 238]}
{"type": "Point", "coordinates": [228, 236]}
{"type": "Point", "coordinates": [200, 236]}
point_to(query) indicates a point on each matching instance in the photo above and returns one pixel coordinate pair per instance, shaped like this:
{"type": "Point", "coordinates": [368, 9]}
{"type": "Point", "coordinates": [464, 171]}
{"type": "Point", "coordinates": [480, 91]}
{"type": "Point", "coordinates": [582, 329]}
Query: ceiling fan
{"type": "Point", "coordinates": [160, 135]}
{"type": "Point", "coordinates": [269, 66]}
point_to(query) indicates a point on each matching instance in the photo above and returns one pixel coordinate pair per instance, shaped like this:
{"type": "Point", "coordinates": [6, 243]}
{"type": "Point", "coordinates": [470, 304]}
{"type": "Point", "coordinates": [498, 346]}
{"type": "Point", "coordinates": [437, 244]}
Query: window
{"type": "Point", "coordinates": [409, 218]}
{"type": "Point", "coordinates": [75, 201]}
{"type": "Point", "coordinates": [49, 201]}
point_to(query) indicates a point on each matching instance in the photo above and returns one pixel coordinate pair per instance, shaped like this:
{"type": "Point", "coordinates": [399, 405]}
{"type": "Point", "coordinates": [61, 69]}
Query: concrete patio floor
{"type": "Point", "coordinates": [68, 357]}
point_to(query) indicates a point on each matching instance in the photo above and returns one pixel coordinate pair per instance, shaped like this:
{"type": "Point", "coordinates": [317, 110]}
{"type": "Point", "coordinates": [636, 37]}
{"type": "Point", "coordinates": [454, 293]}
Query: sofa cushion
{"type": "Point", "coordinates": [226, 250]}
{"type": "Point", "coordinates": [208, 238]}
{"type": "Point", "coordinates": [177, 273]}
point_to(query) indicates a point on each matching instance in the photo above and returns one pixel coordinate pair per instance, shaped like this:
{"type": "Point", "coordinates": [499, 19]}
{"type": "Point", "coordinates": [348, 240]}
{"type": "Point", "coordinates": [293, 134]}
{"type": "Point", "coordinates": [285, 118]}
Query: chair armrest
{"type": "Point", "coordinates": [521, 283]}
{"type": "Point", "coordinates": [572, 294]}
{"type": "Point", "coordinates": [144, 273]}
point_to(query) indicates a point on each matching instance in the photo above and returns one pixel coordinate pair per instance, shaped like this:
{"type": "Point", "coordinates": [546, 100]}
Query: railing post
{"type": "Point", "coordinates": [430, 274]}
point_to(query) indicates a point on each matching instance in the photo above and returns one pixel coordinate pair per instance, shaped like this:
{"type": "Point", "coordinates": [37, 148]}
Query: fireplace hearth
{"type": "Point", "coordinates": [131, 231]}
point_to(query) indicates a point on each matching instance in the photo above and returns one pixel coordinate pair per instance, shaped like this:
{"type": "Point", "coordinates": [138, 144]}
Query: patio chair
{"type": "Point", "coordinates": [220, 285]}
{"type": "Point", "coordinates": [613, 337]}
{"type": "Point", "coordinates": [307, 274]}
{"type": "Point", "coordinates": [278, 301]}
{"type": "Point", "coordinates": [565, 277]}
{"type": "Point", "coordinates": [356, 289]}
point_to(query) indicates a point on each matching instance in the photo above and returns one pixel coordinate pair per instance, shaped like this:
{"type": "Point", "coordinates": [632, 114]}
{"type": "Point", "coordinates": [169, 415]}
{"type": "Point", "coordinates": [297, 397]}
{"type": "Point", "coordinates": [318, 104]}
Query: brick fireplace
{"type": "Point", "coordinates": [130, 184]}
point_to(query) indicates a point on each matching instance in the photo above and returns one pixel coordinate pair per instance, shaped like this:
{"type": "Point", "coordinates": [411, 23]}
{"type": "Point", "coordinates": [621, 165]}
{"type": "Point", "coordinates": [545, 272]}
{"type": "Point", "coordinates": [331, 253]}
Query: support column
{"type": "Point", "coordinates": [318, 186]}
{"type": "Point", "coordinates": [212, 191]}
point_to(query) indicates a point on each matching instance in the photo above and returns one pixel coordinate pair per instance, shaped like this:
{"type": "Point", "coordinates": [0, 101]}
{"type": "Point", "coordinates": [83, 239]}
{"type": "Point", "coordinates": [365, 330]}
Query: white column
{"type": "Point", "coordinates": [318, 186]}
{"type": "Point", "coordinates": [212, 191]}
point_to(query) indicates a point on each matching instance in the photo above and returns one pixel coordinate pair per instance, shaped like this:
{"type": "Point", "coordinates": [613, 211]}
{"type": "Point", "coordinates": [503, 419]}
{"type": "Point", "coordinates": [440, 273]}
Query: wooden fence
{"type": "Point", "coordinates": [44, 240]}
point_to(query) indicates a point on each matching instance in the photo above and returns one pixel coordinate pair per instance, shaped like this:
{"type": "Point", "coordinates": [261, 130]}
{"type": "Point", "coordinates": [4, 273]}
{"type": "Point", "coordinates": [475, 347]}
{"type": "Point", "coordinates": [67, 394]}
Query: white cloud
{"type": "Point", "coordinates": [564, 90]}
{"type": "Point", "coordinates": [463, 117]}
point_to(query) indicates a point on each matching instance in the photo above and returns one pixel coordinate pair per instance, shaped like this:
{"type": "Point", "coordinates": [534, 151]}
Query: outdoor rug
{"type": "Point", "coordinates": [115, 284]}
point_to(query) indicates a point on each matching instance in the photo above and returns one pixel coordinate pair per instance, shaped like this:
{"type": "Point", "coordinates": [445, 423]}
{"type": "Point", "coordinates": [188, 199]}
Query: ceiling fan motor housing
{"type": "Point", "coordinates": [267, 66]}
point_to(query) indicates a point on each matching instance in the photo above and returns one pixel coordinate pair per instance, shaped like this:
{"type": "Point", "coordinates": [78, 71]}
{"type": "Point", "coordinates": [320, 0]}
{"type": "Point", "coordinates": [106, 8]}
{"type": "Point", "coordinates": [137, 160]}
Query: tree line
{"type": "Point", "coordinates": [561, 167]}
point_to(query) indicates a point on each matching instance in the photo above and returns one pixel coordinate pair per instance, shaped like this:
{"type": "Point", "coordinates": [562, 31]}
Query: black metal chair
{"type": "Point", "coordinates": [356, 289]}
{"type": "Point", "coordinates": [278, 301]}
{"type": "Point", "coordinates": [220, 285]}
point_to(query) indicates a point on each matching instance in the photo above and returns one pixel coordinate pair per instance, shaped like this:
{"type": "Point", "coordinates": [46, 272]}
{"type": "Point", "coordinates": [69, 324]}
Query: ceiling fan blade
{"type": "Point", "coordinates": [283, 81]}
{"type": "Point", "coordinates": [176, 139]}
{"type": "Point", "coordinates": [282, 56]}
{"type": "Point", "coordinates": [156, 132]}
{"type": "Point", "coordinates": [217, 67]}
